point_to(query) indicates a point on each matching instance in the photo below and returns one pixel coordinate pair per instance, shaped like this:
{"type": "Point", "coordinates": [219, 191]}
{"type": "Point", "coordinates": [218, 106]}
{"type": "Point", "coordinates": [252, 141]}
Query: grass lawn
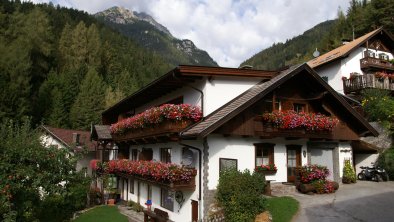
{"type": "Point", "coordinates": [282, 209]}
{"type": "Point", "coordinates": [102, 214]}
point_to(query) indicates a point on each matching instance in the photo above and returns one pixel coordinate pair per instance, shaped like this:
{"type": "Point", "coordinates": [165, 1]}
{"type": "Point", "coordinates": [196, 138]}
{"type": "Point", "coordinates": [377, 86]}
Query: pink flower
{"type": "Point", "coordinates": [157, 115]}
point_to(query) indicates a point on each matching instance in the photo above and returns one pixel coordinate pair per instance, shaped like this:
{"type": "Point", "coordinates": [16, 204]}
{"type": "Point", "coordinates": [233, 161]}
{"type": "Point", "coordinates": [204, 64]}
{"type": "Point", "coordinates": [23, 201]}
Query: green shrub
{"type": "Point", "coordinates": [240, 195]}
{"type": "Point", "coordinates": [349, 175]}
{"type": "Point", "coordinates": [386, 161]}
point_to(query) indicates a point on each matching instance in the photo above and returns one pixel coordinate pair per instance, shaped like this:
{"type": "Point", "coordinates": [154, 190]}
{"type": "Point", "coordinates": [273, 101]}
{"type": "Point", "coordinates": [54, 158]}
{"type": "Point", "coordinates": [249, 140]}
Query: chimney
{"type": "Point", "coordinates": [76, 138]}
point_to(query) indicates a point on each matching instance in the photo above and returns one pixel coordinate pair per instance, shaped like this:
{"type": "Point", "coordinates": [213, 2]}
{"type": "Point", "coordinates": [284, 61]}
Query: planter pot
{"type": "Point", "coordinates": [165, 127]}
{"type": "Point", "coordinates": [111, 202]}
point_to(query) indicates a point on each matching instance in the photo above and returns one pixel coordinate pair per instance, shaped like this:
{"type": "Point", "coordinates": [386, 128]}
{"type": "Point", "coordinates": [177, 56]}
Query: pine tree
{"type": "Point", "coordinates": [93, 47]}
{"type": "Point", "coordinates": [90, 101]}
{"type": "Point", "coordinates": [112, 96]}
{"type": "Point", "coordinates": [79, 47]}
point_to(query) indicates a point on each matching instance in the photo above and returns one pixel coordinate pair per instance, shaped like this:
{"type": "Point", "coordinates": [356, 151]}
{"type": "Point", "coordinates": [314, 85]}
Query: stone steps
{"type": "Point", "coordinates": [279, 189]}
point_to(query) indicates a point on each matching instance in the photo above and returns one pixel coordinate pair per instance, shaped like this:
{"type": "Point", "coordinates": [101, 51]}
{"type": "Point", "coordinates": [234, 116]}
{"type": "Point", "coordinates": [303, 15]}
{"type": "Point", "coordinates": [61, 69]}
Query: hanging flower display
{"type": "Point", "coordinates": [157, 115]}
{"type": "Point", "coordinates": [150, 170]}
{"type": "Point", "coordinates": [290, 119]}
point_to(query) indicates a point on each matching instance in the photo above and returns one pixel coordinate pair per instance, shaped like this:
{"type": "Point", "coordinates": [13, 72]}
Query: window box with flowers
{"type": "Point", "coordinates": [268, 169]}
{"type": "Point", "coordinates": [168, 175]}
{"type": "Point", "coordinates": [291, 120]}
{"type": "Point", "coordinates": [167, 118]}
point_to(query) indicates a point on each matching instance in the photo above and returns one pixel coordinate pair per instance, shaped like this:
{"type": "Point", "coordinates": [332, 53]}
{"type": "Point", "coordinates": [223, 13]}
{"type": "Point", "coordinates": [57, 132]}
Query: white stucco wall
{"type": "Point", "coordinates": [364, 160]}
{"type": "Point", "coordinates": [180, 213]}
{"type": "Point", "coordinates": [345, 153]}
{"type": "Point", "coordinates": [243, 150]}
{"type": "Point", "coordinates": [217, 92]}
{"type": "Point", "coordinates": [220, 90]}
{"type": "Point", "coordinates": [342, 68]}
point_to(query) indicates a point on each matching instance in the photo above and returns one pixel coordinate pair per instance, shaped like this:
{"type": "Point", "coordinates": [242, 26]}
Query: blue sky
{"type": "Point", "coordinates": [231, 31]}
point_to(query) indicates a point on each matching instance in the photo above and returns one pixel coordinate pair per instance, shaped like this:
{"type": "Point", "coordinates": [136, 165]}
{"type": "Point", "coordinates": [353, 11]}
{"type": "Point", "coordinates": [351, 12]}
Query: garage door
{"type": "Point", "coordinates": [323, 157]}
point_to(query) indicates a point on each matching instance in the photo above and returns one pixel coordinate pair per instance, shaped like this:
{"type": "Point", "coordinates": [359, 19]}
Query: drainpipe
{"type": "Point", "coordinates": [198, 90]}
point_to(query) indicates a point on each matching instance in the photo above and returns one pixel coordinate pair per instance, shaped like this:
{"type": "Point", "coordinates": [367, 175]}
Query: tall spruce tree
{"type": "Point", "coordinates": [90, 101]}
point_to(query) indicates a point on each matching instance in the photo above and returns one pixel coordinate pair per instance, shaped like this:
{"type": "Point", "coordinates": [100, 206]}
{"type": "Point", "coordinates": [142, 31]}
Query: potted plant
{"type": "Point", "coordinates": [349, 175]}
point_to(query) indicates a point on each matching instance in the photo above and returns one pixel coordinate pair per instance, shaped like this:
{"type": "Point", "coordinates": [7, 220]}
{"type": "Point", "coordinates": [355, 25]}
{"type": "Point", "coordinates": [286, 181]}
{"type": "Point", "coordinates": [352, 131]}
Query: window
{"type": "Point", "coordinates": [167, 199]}
{"type": "Point", "coordinates": [134, 154]}
{"type": "Point", "coordinates": [226, 164]}
{"type": "Point", "coordinates": [149, 192]}
{"type": "Point", "coordinates": [299, 107]}
{"type": "Point", "coordinates": [131, 186]}
{"type": "Point", "coordinates": [165, 155]}
{"type": "Point", "coordinates": [264, 153]}
{"type": "Point", "coordinates": [269, 106]}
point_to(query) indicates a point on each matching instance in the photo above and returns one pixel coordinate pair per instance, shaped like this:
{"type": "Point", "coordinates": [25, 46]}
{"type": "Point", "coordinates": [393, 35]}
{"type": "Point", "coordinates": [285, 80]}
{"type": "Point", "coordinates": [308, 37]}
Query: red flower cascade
{"type": "Point", "coordinates": [151, 170]}
{"type": "Point", "coordinates": [157, 115]}
{"type": "Point", "coordinates": [290, 119]}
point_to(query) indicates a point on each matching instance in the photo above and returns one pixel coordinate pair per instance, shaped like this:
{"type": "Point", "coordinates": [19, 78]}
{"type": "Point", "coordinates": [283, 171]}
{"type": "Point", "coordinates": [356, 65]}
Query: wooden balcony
{"type": "Point", "coordinates": [374, 63]}
{"type": "Point", "coordinates": [367, 81]}
{"type": "Point", "coordinates": [166, 131]}
{"type": "Point", "coordinates": [183, 185]}
{"type": "Point", "coordinates": [270, 131]}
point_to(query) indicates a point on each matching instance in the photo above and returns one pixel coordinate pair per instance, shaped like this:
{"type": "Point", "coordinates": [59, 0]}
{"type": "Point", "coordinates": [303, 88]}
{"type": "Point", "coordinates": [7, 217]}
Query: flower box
{"type": "Point", "coordinates": [291, 120]}
{"type": "Point", "coordinates": [268, 172]}
{"type": "Point", "coordinates": [167, 175]}
{"type": "Point", "coordinates": [168, 126]}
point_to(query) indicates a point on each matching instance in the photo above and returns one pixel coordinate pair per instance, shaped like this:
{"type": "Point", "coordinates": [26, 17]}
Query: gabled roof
{"type": "Point", "coordinates": [65, 136]}
{"type": "Point", "coordinates": [257, 92]}
{"type": "Point", "coordinates": [344, 50]}
{"type": "Point", "coordinates": [177, 78]}
{"type": "Point", "coordinates": [101, 132]}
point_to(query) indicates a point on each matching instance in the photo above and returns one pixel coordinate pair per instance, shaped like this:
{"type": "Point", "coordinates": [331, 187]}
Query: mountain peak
{"type": "Point", "coordinates": [122, 15]}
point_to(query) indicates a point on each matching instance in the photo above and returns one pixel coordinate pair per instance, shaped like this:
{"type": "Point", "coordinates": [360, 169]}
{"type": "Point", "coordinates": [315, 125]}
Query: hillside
{"type": "Point", "coordinates": [62, 67]}
{"type": "Point", "coordinates": [148, 33]}
{"type": "Point", "coordinates": [361, 17]}
{"type": "Point", "coordinates": [296, 50]}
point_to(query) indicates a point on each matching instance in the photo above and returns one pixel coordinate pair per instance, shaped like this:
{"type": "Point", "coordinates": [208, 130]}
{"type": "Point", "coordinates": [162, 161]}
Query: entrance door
{"type": "Point", "coordinates": [293, 161]}
{"type": "Point", "coordinates": [194, 211]}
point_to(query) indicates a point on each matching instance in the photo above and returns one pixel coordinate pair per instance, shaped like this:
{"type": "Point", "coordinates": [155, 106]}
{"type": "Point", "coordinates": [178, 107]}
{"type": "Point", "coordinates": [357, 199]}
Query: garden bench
{"type": "Point", "coordinates": [156, 216]}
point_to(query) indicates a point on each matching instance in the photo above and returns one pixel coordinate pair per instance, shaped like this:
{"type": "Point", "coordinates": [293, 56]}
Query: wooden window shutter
{"type": "Point", "coordinates": [271, 154]}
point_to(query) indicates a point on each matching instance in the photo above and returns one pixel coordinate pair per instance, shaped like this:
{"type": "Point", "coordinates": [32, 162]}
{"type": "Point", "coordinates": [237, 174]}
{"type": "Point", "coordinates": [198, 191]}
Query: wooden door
{"type": "Point", "coordinates": [293, 161]}
{"type": "Point", "coordinates": [194, 211]}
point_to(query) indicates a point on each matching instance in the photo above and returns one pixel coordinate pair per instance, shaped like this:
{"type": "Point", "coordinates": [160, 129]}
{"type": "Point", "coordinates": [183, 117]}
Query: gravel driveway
{"type": "Point", "coordinates": [363, 201]}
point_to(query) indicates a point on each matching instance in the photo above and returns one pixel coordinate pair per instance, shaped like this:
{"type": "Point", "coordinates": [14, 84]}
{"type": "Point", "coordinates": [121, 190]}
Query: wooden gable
{"type": "Point", "coordinates": [304, 92]}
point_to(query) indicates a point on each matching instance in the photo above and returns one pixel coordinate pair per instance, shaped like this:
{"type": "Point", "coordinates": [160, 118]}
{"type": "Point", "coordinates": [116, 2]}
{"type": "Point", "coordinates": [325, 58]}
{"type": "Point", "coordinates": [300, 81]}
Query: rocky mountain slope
{"type": "Point", "coordinates": [148, 33]}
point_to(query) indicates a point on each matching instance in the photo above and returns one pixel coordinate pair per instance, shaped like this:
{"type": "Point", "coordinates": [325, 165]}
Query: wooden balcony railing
{"type": "Point", "coordinates": [165, 128]}
{"type": "Point", "coordinates": [180, 185]}
{"type": "Point", "coordinates": [370, 62]}
{"type": "Point", "coordinates": [358, 83]}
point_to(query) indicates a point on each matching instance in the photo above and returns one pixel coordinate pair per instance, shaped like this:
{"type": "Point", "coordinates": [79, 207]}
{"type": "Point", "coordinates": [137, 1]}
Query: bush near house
{"type": "Point", "coordinates": [386, 161]}
{"type": "Point", "coordinates": [240, 195]}
{"type": "Point", "coordinates": [36, 181]}
{"type": "Point", "coordinates": [349, 175]}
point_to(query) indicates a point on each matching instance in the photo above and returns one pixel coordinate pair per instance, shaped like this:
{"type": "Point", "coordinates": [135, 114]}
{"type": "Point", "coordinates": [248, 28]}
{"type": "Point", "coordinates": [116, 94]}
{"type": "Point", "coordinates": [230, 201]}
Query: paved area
{"type": "Point", "coordinates": [132, 215]}
{"type": "Point", "coordinates": [363, 201]}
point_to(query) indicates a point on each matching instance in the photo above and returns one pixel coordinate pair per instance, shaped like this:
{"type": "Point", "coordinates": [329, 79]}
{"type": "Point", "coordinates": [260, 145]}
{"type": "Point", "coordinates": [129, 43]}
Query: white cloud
{"type": "Point", "coordinates": [231, 31]}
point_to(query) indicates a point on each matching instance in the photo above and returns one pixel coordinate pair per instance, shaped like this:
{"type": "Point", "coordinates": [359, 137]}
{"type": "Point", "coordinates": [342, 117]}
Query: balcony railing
{"type": "Point", "coordinates": [165, 128]}
{"type": "Point", "coordinates": [168, 175]}
{"type": "Point", "coordinates": [357, 83]}
{"type": "Point", "coordinates": [370, 62]}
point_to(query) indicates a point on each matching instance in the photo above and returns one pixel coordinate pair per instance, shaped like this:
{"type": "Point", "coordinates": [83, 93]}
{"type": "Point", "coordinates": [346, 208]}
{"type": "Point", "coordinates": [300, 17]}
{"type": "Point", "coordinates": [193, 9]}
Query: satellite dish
{"type": "Point", "coordinates": [316, 53]}
{"type": "Point", "coordinates": [187, 157]}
